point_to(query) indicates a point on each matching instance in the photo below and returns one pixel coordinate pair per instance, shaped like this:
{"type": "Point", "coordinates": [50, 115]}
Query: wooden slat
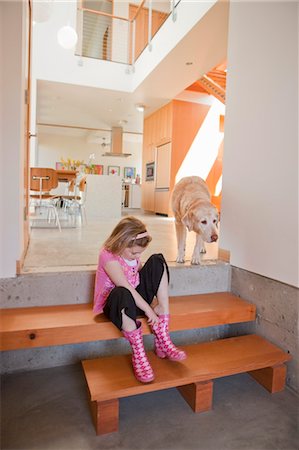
{"type": "Point", "coordinates": [67, 324]}
{"type": "Point", "coordinates": [205, 361]}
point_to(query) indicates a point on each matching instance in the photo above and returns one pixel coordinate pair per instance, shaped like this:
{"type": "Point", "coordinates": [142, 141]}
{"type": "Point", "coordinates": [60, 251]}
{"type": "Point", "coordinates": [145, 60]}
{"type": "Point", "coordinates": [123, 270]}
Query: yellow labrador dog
{"type": "Point", "coordinates": [193, 209]}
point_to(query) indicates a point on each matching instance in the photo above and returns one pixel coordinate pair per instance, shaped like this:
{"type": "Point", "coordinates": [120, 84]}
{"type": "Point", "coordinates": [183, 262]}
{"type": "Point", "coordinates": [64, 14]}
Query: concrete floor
{"type": "Point", "coordinates": [48, 410]}
{"type": "Point", "coordinates": [78, 248]}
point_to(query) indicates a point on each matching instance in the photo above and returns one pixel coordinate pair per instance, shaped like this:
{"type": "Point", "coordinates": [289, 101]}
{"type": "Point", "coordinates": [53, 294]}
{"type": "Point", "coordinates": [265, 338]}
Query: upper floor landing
{"type": "Point", "coordinates": [196, 33]}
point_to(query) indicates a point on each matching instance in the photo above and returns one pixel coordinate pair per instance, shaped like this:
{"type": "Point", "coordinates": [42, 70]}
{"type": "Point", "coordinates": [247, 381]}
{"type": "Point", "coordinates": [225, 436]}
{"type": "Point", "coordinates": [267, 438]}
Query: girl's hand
{"type": "Point", "coordinates": [152, 317]}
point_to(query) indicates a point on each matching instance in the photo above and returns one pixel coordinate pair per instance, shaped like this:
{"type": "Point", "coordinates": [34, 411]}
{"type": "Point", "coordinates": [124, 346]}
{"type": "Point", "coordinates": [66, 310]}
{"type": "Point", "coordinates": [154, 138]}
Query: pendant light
{"type": "Point", "coordinates": [67, 37]}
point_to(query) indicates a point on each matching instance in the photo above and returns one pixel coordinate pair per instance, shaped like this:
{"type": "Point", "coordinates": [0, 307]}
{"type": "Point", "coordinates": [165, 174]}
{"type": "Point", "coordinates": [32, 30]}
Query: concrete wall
{"type": "Point", "coordinates": [259, 218]}
{"type": "Point", "coordinates": [277, 314]}
{"type": "Point", "coordinates": [40, 358]}
{"type": "Point", "coordinates": [78, 286]}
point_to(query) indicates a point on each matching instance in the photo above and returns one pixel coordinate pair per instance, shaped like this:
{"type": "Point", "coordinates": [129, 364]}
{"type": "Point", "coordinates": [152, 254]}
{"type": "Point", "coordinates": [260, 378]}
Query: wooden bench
{"type": "Point", "coordinates": [111, 378]}
{"type": "Point", "coordinates": [22, 328]}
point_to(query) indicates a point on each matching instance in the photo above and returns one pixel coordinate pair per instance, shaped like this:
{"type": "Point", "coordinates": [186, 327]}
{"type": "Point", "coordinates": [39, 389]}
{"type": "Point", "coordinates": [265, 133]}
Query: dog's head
{"type": "Point", "coordinates": [202, 217]}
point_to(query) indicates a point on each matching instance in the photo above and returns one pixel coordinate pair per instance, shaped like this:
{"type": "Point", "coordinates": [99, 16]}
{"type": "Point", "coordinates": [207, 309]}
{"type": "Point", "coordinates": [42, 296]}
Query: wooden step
{"type": "Point", "coordinates": [111, 378]}
{"type": "Point", "coordinates": [70, 324]}
{"type": "Point", "coordinates": [205, 361]}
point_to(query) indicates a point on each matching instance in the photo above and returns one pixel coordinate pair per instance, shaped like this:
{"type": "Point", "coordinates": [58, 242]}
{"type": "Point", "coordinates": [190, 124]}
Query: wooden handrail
{"type": "Point", "coordinates": [101, 13]}
{"type": "Point", "coordinates": [138, 10]}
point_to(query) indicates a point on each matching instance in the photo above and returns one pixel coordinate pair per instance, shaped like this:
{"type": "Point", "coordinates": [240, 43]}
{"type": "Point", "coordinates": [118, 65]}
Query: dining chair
{"type": "Point", "coordinates": [75, 203]}
{"type": "Point", "coordinates": [42, 181]}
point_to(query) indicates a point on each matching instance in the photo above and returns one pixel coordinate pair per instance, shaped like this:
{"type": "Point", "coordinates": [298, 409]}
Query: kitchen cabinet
{"type": "Point", "coordinates": [162, 202]}
{"type": "Point", "coordinates": [156, 131]}
{"type": "Point", "coordinates": [163, 160]}
{"type": "Point", "coordinates": [163, 164]}
{"type": "Point", "coordinates": [148, 196]}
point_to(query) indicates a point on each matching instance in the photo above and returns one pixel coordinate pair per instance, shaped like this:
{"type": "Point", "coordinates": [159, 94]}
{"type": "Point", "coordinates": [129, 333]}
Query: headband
{"type": "Point", "coordinates": [140, 235]}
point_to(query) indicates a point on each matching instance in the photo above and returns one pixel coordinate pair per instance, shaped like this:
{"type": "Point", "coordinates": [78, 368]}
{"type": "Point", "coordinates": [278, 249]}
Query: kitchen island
{"type": "Point", "coordinates": [103, 196]}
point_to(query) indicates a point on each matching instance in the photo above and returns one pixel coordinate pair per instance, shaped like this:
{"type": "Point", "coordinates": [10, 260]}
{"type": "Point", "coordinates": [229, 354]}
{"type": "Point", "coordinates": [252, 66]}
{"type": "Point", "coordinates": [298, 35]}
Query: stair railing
{"type": "Point", "coordinates": [114, 38]}
{"type": "Point", "coordinates": [212, 88]}
{"type": "Point", "coordinates": [95, 30]}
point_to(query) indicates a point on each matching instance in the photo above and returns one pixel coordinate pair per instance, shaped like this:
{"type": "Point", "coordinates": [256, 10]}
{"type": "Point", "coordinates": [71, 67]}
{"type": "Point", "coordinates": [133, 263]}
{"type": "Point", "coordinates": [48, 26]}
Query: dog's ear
{"type": "Point", "coordinates": [187, 220]}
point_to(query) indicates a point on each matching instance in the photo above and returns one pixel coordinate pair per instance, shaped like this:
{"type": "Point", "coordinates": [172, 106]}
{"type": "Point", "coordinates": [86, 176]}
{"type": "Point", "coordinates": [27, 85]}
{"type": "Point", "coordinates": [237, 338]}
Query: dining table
{"type": "Point", "coordinates": [64, 176]}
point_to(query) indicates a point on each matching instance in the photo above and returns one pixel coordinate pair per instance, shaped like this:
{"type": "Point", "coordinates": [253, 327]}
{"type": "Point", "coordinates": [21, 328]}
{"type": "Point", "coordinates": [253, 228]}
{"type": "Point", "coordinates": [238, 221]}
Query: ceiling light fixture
{"type": "Point", "coordinates": [67, 37]}
{"type": "Point", "coordinates": [140, 107]}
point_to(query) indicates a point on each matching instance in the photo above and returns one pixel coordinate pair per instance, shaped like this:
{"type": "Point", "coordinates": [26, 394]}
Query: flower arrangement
{"type": "Point", "coordinates": [71, 164]}
{"type": "Point", "coordinates": [80, 166]}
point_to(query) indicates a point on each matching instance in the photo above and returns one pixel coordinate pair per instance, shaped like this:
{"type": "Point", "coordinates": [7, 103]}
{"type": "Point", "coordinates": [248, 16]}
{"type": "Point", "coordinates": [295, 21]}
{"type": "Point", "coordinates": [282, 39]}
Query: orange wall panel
{"type": "Point", "coordinates": [187, 119]}
{"type": "Point", "coordinates": [216, 171]}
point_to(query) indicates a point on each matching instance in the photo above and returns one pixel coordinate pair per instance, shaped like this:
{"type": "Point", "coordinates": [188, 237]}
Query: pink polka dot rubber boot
{"type": "Point", "coordinates": [141, 366]}
{"type": "Point", "coordinates": [164, 347]}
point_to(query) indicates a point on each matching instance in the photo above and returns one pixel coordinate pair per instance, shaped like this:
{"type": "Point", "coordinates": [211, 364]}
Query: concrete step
{"type": "Point", "coordinates": [76, 286]}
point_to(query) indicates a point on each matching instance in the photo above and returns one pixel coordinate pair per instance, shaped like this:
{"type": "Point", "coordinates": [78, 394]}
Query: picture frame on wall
{"type": "Point", "coordinates": [98, 169]}
{"type": "Point", "coordinates": [114, 170]}
{"type": "Point", "coordinates": [130, 172]}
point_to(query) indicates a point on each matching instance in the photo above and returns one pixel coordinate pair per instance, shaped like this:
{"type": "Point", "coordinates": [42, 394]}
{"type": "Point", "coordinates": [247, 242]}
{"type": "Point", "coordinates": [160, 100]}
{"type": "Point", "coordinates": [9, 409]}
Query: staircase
{"type": "Point", "coordinates": [52, 323]}
{"type": "Point", "coordinates": [63, 301]}
{"type": "Point", "coordinates": [213, 83]}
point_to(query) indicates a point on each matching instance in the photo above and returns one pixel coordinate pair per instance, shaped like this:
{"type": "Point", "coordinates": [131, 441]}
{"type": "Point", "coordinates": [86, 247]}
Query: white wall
{"type": "Point", "coordinates": [12, 135]}
{"type": "Point", "coordinates": [259, 222]}
{"type": "Point", "coordinates": [52, 147]}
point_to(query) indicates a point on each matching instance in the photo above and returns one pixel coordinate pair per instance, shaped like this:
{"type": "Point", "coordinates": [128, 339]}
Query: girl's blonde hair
{"type": "Point", "coordinates": [125, 235]}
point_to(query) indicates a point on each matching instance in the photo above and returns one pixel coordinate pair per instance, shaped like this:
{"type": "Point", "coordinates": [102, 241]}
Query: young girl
{"type": "Point", "coordinates": [124, 289]}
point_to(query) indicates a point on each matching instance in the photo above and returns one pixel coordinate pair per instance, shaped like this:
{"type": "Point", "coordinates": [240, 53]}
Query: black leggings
{"type": "Point", "coordinates": [120, 298]}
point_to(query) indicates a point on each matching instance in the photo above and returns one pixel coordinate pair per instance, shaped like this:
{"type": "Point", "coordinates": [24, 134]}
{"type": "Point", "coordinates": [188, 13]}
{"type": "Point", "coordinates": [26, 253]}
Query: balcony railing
{"type": "Point", "coordinates": [105, 36]}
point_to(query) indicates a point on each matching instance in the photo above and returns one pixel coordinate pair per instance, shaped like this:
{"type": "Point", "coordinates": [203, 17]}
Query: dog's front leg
{"type": "Point", "coordinates": [199, 245]}
{"type": "Point", "coordinates": [181, 241]}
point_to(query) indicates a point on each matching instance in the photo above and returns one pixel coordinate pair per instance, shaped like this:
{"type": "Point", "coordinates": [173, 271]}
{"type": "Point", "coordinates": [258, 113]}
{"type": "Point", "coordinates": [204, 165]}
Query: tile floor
{"type": "Point", "coordinates": [78, 248]}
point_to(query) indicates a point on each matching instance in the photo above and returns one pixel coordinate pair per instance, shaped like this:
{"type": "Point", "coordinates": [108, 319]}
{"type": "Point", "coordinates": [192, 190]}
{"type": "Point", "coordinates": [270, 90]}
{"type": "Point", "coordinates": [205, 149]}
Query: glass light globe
{"type": "Point", "coordinates": [67, 37]}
